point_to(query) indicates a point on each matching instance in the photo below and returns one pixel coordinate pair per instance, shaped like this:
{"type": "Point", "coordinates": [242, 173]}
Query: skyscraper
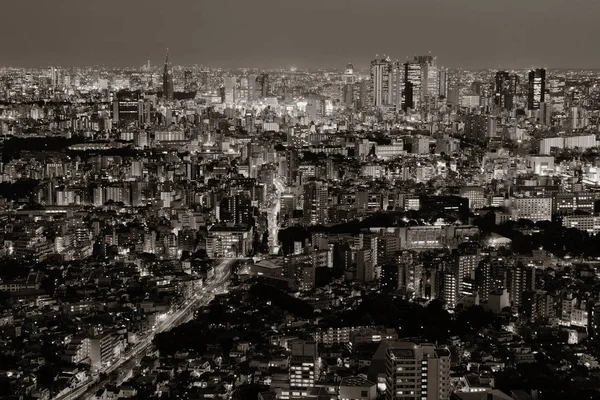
{"type": "Point", "coordinates": [537, 88]}
{"type": "Point", "coordinates": [379, 81]}
{"type": "Point", "coordinates": [251, 87]}
{"type": "Point", "coordinates": [229, 83]}
{"type": "Point", "coordinates": [443, 83]}
{"type": "Point", "coordinates": [430, 77]}
{"type": "Point", "coordinates": [417, 372]}
{"type": "Point", "coordinates": [424, 83]}
{"type": "Point", "coordinates": [412, 85]}
{"type": "Point", "coordinates": [385, 83]}
{"type": "Point", "coordinates": [315, 203]}
{"type": "Point", "coordinates": [263, 85]}
{"type": "Point", "coordinates": [505, 90]}
{"type": "Point", "coordinates": [126, 109]}
{"type": "Point", "coordinates": [167, 79]}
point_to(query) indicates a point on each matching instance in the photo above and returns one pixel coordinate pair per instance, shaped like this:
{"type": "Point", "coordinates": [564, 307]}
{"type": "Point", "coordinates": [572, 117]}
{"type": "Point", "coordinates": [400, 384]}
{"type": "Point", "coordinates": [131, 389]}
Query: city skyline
{"type": "Point", "coordinates": [276, 200]}
{"type": "Point", "coordinates": [231, 34]}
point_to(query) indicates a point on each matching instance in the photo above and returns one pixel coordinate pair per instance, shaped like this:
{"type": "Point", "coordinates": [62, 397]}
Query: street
{"type": "Point", "coordinates": [124, 365]}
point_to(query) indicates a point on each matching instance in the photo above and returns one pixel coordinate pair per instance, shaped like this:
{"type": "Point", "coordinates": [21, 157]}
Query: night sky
{"type": "Point", "coordinates": [301, 33]}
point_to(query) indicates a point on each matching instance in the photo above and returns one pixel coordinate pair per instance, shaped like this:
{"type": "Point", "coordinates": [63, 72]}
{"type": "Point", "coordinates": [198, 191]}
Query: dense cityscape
{"type": "Point", "coordinates": [400, 231]}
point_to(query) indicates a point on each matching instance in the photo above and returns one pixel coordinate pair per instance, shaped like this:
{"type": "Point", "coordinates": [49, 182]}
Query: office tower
{"type": "Point", "coordinates": [54, 77]}
{"type": "Point", "coordinates": [167, 80]}
{"type": "Point", "coordinates": [443, 83]}
{"type": "Point", "coordinates": [545, 115]}
{"type": "Point", "coordinates": [304, 368]}
{"type": "Point", "coordinates": [229, 84]}
{"type": "Point", "coordinates": [417, 371]}
{"type": "Point", "coordinates": [557, 94]}
{"type": "Point", "coordinates": [505, 90]}
{"type": "Point", "coordinates": [413, 78]}
{"type": "Point", "coordinates": [430, 78]}
{"type": "Point", "coordinates": [126, 110]}
{"type": "Point", "coordinates": [315, 203]}
{"type": "Point", "coordinates": [386, 83]}
{"type": "Point", "coordinates": [251, 87]}
{"type": "Point", "coordinates": [348, 95]}
{"type": "Point", "coordinates": [380, 82]}
{"type": "Point", "coordinates": [262, 85]}
{"type": "Point", "coordinates": [236, 209]}
{"type": "Point", "coordinates": [537, 88]}
{"type": "Point", "coordinates": [291, 159]}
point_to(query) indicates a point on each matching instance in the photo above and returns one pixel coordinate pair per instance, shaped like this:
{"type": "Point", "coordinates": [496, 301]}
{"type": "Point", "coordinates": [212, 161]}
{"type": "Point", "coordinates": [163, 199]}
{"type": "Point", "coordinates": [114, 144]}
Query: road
{"type": "Point", "coordinates": [274, 207]}
{"type": "Point", "coordinates": [127, 361]}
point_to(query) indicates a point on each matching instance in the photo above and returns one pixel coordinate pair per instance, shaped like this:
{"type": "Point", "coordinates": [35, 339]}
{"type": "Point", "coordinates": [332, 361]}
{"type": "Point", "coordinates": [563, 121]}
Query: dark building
{"type": "Point", "coordinates": [505, 90]}
{"type": "Point", "coordinates": [236, 209]}
{"type": "Point", "coordinates": [408, 96]}
{"type": "Point", "coordinates": [390, 278]}
{"type": "Point", "coordinates": [168, 88]}
{"type": "Point", "coordinates": [262, 85]}
{"type": "Point", "coordinates": [126, 108]}
{"type": "Point", "coordinates": [480, 126]}
{"type": "Point", "coordinates": [445, 204]}
{"type": "Point", "coordinates": [537, 88]}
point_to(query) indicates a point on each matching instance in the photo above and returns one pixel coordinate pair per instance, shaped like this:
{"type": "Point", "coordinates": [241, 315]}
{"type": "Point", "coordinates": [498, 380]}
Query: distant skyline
{"type": "Point", "coordinates": [473, 34]}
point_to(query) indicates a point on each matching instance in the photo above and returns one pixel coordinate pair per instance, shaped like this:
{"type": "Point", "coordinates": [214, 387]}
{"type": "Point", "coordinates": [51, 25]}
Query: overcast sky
{"type": "Point", "coordinates": [302, 33]}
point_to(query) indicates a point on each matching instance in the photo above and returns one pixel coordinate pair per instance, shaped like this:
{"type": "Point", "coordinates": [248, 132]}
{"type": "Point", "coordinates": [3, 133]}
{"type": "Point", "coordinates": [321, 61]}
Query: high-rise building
{"type": "Point", "coordinates": [449, 289]}
{"type": "Point", "coordinates": [126, 110]}
{"type": "Point", "coordinates": [417, 371]}
{"type": "Point", "coordinates": [365, 265]}
{"type": "Point", "coordinates": [389, 281]}
{"type": "Point", "coordinates": [464, 269]}
{"type": "Point", "coordinates": [520, 279]}
{"type": "Point", "coordinates": [229, 84]}
{"type": "Point", "coordinates": [475, 195]}
{"type": "Point", "coordinates": [168, 87]}
{"type": "Point", "coordinates": [54, 77]}
{"type": "Point", "coordinates": [443, 83]}
{"type": "Point", "coordinates": [348, 94]}
{"type": "Point", "coordinates": [315, 203]}
{"type": "Point", "coordinates": [304, 368]}
{"type": "Point", "coordinates": [384, 82]}
{"type": "Point", "coordinates": [413, 79]}
{"type": "Point", "coordinates": [537, 88]}
{"type": "Point", "coordinates": [431, 79]}
{"type": "Point", "coordinates": [262, 85]}
{"type": "Point", "coordinates": [505, 90]}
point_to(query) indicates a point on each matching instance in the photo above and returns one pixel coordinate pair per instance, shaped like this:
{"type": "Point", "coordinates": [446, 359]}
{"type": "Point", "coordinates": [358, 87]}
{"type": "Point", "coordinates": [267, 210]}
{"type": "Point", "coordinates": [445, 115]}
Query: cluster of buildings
{"type": "Point", "coordinates": [122, 193]}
